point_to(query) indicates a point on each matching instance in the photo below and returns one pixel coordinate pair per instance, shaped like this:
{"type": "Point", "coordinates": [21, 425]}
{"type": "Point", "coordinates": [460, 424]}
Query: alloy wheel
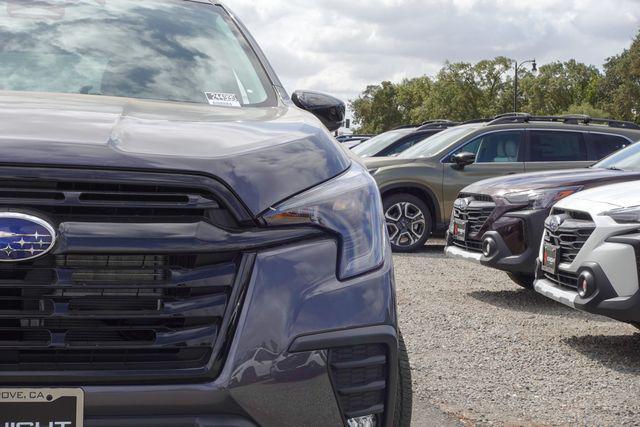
{"type": "Point", "coordinates": [406, 224]}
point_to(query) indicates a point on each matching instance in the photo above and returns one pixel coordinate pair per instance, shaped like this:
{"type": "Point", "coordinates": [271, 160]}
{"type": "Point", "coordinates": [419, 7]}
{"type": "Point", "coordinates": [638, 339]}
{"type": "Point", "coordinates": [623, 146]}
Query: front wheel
{"type": "Point", "coordinates": [408, 222]}
{"type": "Point", "coordinates": [404, 397]}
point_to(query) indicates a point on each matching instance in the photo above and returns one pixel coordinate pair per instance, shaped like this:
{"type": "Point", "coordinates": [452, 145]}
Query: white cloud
{"type": "Point", "coordinates": [341, 46]}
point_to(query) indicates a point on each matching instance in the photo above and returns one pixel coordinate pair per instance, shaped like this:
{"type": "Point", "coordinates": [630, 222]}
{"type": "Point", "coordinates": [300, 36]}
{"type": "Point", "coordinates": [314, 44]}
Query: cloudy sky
{"type": "Point", "coordinates": [340, 46]}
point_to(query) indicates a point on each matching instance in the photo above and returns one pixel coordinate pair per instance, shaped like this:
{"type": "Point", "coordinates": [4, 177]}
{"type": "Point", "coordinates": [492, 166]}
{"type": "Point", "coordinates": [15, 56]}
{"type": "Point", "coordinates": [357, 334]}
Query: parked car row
{"type": "Point", "coordinates": [573, 235]}
{"type": "Point", "coordinates": [396, 141]}
{"type": "Point", "coordinates": [352, 141]}
{"type": "Point", "coordinates": [420, 185]}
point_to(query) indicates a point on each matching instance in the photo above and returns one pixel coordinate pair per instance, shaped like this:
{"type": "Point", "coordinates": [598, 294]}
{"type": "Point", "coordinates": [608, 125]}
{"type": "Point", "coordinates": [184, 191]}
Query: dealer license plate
{"type": "Point", "coordinates": [41, 407]}
{"type": "Point", "coordinates": [550, 256]}
{"type": "Point", "coordinates": [459, 229]}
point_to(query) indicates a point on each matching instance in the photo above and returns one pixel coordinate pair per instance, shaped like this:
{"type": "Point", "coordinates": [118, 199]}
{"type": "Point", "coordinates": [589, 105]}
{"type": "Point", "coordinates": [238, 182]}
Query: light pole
{"type": "Point", "coordinates": [515, 85]}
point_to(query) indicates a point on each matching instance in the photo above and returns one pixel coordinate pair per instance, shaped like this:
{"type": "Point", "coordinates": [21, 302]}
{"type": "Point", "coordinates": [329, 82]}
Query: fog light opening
{"type": "Point", "coordinates": [488, 247]}
{"type": "Point", "coordinates": [586, 284]}
{"type": "Point", "coordinates": [366, 421]}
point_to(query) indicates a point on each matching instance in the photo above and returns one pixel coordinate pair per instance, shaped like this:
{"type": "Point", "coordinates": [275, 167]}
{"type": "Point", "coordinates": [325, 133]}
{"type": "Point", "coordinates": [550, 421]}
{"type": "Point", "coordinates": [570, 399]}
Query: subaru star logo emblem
{"type": "Point", "coordinates": [24, 237]}
{"type": "Point", "coordinates": [462, 203]}
{"type": "Point", "coordinates": [554, 222]}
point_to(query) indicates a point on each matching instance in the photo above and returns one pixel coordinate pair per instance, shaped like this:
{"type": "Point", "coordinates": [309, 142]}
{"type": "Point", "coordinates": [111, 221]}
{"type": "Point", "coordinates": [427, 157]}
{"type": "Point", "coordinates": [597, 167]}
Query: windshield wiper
{"type": "Point", "coordinates": [614, 168]}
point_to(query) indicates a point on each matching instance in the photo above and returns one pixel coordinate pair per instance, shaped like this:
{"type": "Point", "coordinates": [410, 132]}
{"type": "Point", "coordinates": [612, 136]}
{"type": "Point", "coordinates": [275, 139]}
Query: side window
{"type": "Point", "coordinates": [603, 145]}
{"type": "Point", "coordinates": [497, 147]}
{"type": "Point", "coordinates": [405, 144]}
{"type": "Point", "coordinates": [551, 146]}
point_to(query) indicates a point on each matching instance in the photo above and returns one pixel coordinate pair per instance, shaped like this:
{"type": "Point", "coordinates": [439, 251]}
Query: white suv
{"type": "Point", "coordinates": [590, 252]}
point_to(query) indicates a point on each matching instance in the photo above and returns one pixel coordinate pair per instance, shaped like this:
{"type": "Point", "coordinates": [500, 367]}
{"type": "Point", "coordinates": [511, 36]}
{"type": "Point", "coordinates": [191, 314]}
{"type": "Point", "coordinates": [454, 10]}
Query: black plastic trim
{"type": "Point", "coordinates": [228, 197]}
{"type": "Point", "coordinates": [194, 421]}
{"type": "Point", "coordinates": [503, 259]}
{"type": "Point", "coordinates": [413, 186]}
{"type": "Point", "coordinates": [380, 334]}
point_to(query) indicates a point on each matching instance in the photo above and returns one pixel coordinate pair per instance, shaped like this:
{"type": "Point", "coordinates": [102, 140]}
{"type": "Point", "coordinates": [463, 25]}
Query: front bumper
{"type": "Point", "coordinates": [456, 252]}
{"type": "Point", "coordinates": [616, 293]}
{"type": "Point", "coordinates": [502, 258]}
{"type": "Point", "coordinates": [269, 378]}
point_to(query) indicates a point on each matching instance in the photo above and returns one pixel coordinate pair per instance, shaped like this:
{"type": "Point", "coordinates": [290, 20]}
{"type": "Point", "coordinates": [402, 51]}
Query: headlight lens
{"type": "Point", "coordinates": [541, 199]}
{"type": "Point", "coordinates": [625, 215]}
{"type": "Point", "coordinates": [350, 206]}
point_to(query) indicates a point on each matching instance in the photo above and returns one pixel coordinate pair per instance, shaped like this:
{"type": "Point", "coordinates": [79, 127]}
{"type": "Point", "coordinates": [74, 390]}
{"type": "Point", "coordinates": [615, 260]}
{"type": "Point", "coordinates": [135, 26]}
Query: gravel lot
{"type": "Point", "coordinates": [486, 352]}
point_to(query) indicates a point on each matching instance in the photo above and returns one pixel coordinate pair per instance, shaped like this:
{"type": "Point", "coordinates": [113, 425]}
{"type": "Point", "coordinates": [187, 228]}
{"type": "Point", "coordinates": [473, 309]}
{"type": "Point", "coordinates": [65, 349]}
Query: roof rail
{"type": "Point", "coordinates": [514, 114]}
{"type": "Point", "coordinates": [437, 124]}
{"type": "Point", "coordinates": [614, 123]}
{"type": "Point", "coordinates": [430, 122]}
{"type": "Point", "coordinates": [577, 119]}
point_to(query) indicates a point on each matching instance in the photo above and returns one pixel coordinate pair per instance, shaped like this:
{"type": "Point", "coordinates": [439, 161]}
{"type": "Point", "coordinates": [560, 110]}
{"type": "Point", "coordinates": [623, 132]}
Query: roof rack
{"type": "Point", "coordinates": [430, 122]}
{"type": "Point", "coordinates": [437, 124]}
{"type": "Point", "coordinates": [512, 118]}
{"type": "Point", "coordinates": [514, 114]}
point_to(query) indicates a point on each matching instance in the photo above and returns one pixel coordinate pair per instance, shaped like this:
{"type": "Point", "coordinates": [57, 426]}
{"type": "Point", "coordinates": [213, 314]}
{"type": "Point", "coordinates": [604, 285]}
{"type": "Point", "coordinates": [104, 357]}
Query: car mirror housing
{"type": "Point", "coordinates": [330, 110]}
{"type": "Point", "coordinates": [463, 159]}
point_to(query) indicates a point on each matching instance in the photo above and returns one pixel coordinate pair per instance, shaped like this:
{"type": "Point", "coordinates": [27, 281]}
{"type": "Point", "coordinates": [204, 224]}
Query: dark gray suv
{"type": "Point", "coordinates": [180, 243]}
{"type": "Point", "coordinates": [420, 186]}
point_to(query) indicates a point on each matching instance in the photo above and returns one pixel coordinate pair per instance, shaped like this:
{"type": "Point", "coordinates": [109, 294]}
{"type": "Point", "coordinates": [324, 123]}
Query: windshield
{"type": "Point", "coordinates": [625, 159]}
{"type": "Point", "coordinates": [373, 146]}
{"type": "Point", "coordinates": [441, 141]}
{"type": "Point", "coordinates": [168, 50]}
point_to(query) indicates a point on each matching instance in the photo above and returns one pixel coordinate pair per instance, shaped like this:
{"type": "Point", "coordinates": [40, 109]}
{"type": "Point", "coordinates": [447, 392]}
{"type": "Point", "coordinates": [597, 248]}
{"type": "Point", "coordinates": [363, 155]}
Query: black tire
{"type": "Point", "coordinates": [397, 244]}
{"type": "Point", "coordinates": [404, 396]}
{"type": "Point", "coordinates": [524, 280]}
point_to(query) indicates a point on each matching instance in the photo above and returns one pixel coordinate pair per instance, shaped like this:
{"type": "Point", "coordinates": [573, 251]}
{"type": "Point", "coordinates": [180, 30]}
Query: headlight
{"type": "Point", "coordinates": [624, 215]}
{"type": "Point", "coordinates": [541, 199]}
{"type": "Point", "coordinates": [349, 206]}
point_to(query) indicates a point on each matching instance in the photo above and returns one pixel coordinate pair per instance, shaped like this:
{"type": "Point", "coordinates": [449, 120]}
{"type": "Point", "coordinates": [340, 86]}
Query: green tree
{"type": "Point", "coordinates": [413, 99]}
{"type": "Point", "coordinates": [558, 86]}
{"type": "Point", "coordinates": [585, 109]}
{"type": "Point", "coordinates": [464, 91]}
{"type": "Point", "coordinates": [619, 91]}
{"type": "Point", "coordinates": [376, 109]}
{"type": "Point", "coordinates": [460, 91]}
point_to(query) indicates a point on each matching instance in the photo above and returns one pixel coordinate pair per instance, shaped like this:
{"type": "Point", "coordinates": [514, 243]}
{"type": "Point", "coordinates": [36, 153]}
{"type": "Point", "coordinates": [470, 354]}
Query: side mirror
{"type": "Point", "coordinates": [463, 159]}
{"type": "Point", "coordinates": [331, 111]}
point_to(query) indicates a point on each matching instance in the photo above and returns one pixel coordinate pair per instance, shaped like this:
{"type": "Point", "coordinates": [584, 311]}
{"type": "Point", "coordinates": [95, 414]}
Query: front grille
{"type": "Point", "coordinates": [563, 279]}
{"type": "Point", "coordinates": [476, 212]}
{"type": "Point", "coordinates": [119, 312]}
{"type": "Point", "coordinates": [571, 236]}
{"type": "Point", "coordinates": [360, 376]}
{"type": "Point", "coordinates": [109, 197]}
{"type": "Point", "coordinates": [144, 284]}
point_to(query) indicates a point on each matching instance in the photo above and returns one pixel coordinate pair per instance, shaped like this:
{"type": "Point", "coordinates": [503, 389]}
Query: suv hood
{"type": "Point", "coordinates": [265, 155]}
{"type": "Point", "coordinates": [552, 179]}
{"type": "Point", "coordinates": [622, 195]}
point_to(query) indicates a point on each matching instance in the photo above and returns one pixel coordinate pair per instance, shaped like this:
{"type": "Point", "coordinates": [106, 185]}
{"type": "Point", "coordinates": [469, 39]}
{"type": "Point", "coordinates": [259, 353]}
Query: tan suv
{"type": "Point", "coordinates": [420, 186]}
